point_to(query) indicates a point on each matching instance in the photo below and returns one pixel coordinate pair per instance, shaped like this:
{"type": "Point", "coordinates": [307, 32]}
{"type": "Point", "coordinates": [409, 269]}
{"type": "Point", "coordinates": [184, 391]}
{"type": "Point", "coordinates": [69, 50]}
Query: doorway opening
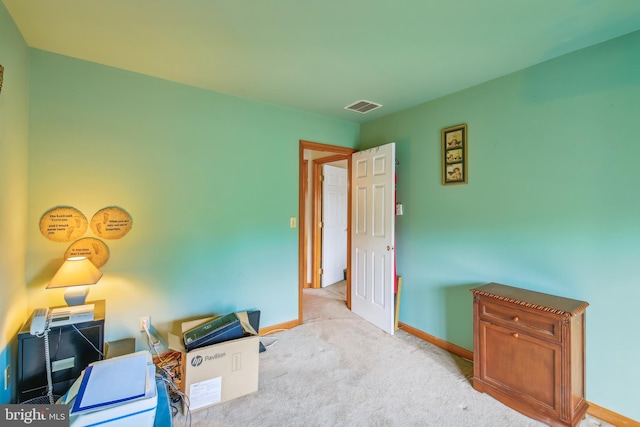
{"type": "Point", "coordinates": [312, 156]}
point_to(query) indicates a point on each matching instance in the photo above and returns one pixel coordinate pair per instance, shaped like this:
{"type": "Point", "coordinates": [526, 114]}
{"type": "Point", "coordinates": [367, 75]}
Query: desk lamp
{"type": "Point", "coordinates": [75, 274]}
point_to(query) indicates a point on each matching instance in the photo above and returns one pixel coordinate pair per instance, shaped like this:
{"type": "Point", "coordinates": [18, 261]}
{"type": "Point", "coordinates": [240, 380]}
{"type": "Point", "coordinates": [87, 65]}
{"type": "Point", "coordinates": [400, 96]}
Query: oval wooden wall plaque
{"type": "Point", "coordinates": [94, 249]}
{"type": "Point", "coordinates": [63, 224]}
{"type": "Point", "coordinates": [111, 223]}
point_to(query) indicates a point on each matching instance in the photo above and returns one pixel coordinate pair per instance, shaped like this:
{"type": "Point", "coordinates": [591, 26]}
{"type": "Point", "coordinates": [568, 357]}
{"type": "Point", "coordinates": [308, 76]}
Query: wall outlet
{"type": "Point", "coordinates": [7, 377]}
{"type": "Point", "coordinates": [145, 323]}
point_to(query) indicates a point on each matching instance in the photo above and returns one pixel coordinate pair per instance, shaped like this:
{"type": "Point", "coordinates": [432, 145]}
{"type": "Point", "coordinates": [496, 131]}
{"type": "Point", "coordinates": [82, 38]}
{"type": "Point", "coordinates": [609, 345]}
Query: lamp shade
{"type": "Point", "coordinates": [76, 271]}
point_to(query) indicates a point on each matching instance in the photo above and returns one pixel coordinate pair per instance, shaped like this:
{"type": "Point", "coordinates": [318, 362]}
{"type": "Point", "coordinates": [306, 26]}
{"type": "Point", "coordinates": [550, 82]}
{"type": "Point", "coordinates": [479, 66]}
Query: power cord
{"type": "Point", "coordinates": [165, 375]}
{"type": "Point", "coordinates": [152, 345]}
{"type": "Point", "coordinates": [89, 341]}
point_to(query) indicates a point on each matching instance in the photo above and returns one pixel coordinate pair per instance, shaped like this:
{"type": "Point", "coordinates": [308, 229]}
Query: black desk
{"type": "Point", "coordinates": [70, 354]}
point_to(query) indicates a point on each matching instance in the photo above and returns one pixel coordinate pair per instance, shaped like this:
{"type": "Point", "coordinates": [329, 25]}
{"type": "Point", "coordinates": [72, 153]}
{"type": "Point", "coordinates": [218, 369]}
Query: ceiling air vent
{"type": "Point", "coordinates": [363, 106]}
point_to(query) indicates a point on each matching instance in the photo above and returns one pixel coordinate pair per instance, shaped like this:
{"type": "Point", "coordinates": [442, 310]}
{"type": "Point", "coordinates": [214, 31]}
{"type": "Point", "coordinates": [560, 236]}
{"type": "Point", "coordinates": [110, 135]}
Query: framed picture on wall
{"type": "Point", "coordinates": [454, 155]}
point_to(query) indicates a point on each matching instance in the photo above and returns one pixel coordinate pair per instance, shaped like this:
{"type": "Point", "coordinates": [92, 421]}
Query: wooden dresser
{"type": "Point", "coordinates": [528, 352]}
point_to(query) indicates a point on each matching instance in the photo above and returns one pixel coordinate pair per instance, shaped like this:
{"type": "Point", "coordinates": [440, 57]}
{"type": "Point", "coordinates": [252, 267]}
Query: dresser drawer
{"type": "Point", "coordinates": [539, 323]}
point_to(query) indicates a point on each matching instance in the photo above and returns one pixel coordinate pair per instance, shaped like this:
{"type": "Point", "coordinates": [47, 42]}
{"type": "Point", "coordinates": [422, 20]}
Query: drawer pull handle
{"type": "Point", "coordinates": [516, 319]}
{"type": "Point", "coordinates": [515, 335]}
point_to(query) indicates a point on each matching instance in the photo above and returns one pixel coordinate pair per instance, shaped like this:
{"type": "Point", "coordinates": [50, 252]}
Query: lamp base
{"type": "Point", "coordinates": [76, 295]}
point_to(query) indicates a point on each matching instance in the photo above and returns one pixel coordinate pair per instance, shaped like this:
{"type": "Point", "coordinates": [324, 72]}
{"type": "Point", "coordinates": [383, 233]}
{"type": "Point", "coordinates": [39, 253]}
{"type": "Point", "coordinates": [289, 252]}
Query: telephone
{"type": "Point", "coordinates": [40, 321]}
{"type": "Point", "coordinates": [43, 318]}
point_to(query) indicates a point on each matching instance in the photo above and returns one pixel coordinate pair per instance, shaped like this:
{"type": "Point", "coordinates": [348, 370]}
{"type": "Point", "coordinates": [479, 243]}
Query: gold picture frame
{"type": "Point", "coordinates": [454, 155]}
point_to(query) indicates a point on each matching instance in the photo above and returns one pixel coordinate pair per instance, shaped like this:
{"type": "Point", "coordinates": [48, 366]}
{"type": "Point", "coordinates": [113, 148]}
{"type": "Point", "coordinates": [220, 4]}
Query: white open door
{"type": "Point", "coordinates": [372, 235]}
{"type": "Point", "coordinates": [334, 224]}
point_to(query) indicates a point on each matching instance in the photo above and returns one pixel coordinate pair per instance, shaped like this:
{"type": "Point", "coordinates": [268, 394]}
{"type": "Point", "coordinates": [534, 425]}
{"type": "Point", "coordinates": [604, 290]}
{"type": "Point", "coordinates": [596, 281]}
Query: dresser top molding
{"type": "Point", "coordinates": [536, 300]}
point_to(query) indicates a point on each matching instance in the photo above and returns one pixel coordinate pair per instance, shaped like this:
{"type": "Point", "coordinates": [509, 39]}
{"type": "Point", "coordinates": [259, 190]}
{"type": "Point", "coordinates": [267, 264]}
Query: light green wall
{"type": "Point", "coordinates": [551, 203]}
{"type": "Point", "coordinates": [13, 192]}
{"type": "Point", "coordinates": [210, 181]}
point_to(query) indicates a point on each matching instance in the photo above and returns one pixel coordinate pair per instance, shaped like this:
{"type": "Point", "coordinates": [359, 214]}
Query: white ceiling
{"type": "Point", "coordinates": [322, 55]}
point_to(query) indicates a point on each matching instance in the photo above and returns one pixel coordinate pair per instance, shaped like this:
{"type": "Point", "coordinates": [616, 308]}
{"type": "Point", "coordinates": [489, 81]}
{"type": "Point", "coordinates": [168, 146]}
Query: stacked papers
{"type": "Point", "coordinates": [116, 392]}
{"type": "Point", "coordinates": [119, 380]}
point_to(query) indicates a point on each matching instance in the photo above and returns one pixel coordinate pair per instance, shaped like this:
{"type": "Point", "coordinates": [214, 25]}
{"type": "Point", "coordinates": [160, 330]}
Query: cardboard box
{"type": "Point", "coordinates": [219, 372]}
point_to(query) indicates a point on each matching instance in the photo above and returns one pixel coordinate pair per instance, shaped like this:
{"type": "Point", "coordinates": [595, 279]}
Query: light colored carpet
{"type": "Point", "coordinates": [338, 370]}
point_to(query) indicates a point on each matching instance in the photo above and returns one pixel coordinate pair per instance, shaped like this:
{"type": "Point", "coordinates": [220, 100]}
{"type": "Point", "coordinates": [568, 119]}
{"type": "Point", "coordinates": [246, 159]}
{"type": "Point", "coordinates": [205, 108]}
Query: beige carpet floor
{"type": "Point", "coordinates": [338, 370]}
